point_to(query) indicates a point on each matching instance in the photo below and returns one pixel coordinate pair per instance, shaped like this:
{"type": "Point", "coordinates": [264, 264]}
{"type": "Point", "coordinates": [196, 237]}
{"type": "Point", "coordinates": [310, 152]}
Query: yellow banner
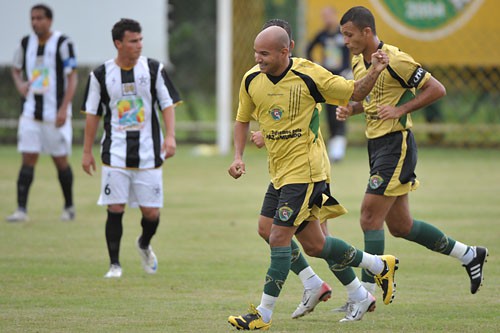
{"type": "Point", "coordinates": [434, 32]}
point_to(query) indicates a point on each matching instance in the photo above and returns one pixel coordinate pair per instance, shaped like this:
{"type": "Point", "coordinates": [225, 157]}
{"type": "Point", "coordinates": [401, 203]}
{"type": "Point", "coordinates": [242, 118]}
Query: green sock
{"type": "Point", "coordinates": [278, 270]}
{"type": "Point", "coordinates": [340, 252]}
{"type": "Point", "coordinates": [298, 260]}
{"type": "Point", "coordinates": [374, 244]}
{"type": "Point", "coordinates": [431, 237]}
{"type": "Point", "coordinates": [344, 274]}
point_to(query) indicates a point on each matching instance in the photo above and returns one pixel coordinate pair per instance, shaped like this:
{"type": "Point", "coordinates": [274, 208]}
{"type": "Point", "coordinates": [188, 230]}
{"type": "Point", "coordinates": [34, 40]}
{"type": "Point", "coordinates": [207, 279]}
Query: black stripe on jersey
{"type": "Point", "coordinates": [155, 122]}
{"type": "Point", "coordinates": [132, 159]}
{"type": "Point", "coordinates": [128, 76]}
{"type": "Point", "coordinates": [24, 44]}
{"type": "Point", "coordinates": [249, 79]}
{"type": "Point", "coordinates": [311, 85]}
{"type": "Point", "coordinates": [38, 107]}
{"type": "Point", "coordinates": [398, 78]}
{"type": "Point", "coordinates": [100, 75]}
{"type": "Point", "coordinates": [294, 101]}
{"type": "Point", "coordinates": [39, 98]}
{"type": "Point", "coordinates": [174, 94]}
{"type": "Point", "coordinates": [59, 72]}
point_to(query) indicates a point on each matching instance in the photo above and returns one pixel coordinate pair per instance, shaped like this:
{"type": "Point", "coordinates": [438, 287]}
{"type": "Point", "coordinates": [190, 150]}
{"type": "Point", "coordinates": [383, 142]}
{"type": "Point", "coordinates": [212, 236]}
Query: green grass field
{"type": "Point", "coordinates": [212, 262]}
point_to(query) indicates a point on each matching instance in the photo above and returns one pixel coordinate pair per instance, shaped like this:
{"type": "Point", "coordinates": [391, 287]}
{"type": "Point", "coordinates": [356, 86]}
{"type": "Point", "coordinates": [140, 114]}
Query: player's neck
{"type": "Point", "coordinates": [125, 63]}
{"type": "Point", "coordinates": [371, 48]}
{"type": "Point", "coordinates": [42, 38]}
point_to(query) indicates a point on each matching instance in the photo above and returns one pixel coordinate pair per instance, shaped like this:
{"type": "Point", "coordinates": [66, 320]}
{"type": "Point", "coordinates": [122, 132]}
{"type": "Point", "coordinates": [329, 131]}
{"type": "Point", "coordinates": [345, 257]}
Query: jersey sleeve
{"type": "Point", "coordinates": [245, 106]}
{"type": "Point", "coordinates": [68, 55]}
{"type": "Point", "coordinates": [335, 89]}
{"type": "Point", "coordinates": [18, 59]}
{"type": "Point", "coordinates": [410, 73]}
{"type": "Point", "coordinates": [92, 102]}
{"type": "Point", "coordinates": [162, 92]}
{"type": "Point", "coordinates": [174, 94]}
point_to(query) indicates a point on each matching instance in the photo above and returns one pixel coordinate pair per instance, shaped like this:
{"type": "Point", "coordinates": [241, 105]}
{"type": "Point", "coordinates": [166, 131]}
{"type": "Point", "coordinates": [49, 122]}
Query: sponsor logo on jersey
{"type": "Point", "coordinates": [129, 89]}
{"type": "Point", "coordinates": [285, 213]}
{"type": "Point", "coordinates": [426, 19]}
{"type": "Point", "coordinates": [276, 113]}
{"type": "Point", "coordinates": [375, 182]}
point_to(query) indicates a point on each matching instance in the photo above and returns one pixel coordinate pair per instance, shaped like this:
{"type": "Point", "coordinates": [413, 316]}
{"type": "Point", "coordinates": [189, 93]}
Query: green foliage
{"type": "Point", "coordinates": [212, 262]}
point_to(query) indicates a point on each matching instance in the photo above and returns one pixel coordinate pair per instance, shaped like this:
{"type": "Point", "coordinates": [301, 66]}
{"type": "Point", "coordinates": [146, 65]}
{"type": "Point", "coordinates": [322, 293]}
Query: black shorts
{"type": "Point", "coordinates": [393, 158]}
{"type": "Point", "coordinates": [293, 204]}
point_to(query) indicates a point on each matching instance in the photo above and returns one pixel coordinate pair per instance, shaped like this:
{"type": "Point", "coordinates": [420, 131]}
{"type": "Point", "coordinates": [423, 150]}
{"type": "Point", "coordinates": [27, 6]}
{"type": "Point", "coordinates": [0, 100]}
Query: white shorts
{"type": "Point", "coordinates": [43, 137]}
{"type": "Point", "coordinates": [138, 187]}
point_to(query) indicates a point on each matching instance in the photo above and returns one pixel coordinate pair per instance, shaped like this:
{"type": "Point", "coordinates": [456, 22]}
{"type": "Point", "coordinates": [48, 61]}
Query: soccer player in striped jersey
{"type": "Point", "coordinates": [44, 73]}
{"type": "Point", "coordinates": [392, 149]}
{"type": "Point", "coordinates": [281, 93]}
{"type": "Point", "coordinates": [127, 93]}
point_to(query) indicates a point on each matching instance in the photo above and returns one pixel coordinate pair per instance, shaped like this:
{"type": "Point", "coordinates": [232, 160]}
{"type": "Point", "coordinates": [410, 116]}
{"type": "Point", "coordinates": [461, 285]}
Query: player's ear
{"type": "Point", "coordinates": [292, 45]}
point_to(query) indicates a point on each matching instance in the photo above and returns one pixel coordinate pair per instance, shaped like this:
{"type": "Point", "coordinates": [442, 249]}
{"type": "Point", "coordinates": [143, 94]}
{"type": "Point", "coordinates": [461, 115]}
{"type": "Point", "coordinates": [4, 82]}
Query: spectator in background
{"type": "Point", "coordinates": [45, 77]}
{"type": "Point", "coordinates": [334, 57]}
{"type": "Point", "coordinates": [127, 92]}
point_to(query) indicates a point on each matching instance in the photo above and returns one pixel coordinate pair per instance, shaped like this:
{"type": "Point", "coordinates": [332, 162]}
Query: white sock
{"type": "Point", "coordinates": [309, 279]}
{"type": "Point", "coordinates": [369, 286]}
{"type": "Point", "coordinates": [266, 306]}
{"type": "Point", "coordinates": [372, 263]}
{"type": "Point", "coordinates": [462, 252]}
{"type": "Point", "coordinates": [337, 147]}
{"type": "Point", "coordinates": [355, 291]}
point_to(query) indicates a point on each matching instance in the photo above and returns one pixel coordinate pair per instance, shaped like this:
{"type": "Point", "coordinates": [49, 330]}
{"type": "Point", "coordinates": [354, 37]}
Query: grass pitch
{"type": "Point", "coordinates": [212, 262]}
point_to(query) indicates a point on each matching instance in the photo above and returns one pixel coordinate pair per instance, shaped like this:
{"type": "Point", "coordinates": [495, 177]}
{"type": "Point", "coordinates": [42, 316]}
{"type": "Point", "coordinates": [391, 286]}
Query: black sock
{"type": "Point", "coordinates": [114, 231]}
{"type": "Point", "coordinates": [66, 180]}
{"type": "Point", "coordinates": [148, 230]}
{"type": "Point", "coordinates": [24, 181]}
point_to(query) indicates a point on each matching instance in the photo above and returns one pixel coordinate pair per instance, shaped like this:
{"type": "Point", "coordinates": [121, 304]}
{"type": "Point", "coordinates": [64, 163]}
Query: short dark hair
{"type": "Point", "coordinates": [361, 17]}
{"type": "Point", "coordinates": [124, 25]}
{"type": "Point", "coordinates": [46, 9]}
{"type": "Point", "coordinates": [279, 23]}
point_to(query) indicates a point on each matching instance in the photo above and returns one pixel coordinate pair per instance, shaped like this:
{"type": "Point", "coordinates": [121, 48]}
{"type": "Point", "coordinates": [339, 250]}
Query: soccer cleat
{"type": "Point", "coordinates": [356, 310]}
{"type": "Point", "coordinates": [249, 322]}
{"type": "Point", "coordinates": [385, 279]}
{"type": "Point", "coordinates": [311, 298]}
{"type": "Point", "coordinates": [148, 258]}
{"type": "Point", "coordinates": [475, 268]}
{"type": "Point", "coordinates": [68, 214]}
{"type": "Point", "coordinates": [115, 271]}
{"type": "Point", "coordinates": [343, 308]}
{"type": "Point", "coordinates": [18, 216]}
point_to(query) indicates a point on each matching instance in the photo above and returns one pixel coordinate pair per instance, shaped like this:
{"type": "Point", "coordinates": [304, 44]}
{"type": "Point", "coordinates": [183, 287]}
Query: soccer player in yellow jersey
{"type": "Point", "coordinates": [316, 290]}
{"type": "Point", "coordinates": [392, 149]}
{"type": "Point", "coordinates": [281, 93]}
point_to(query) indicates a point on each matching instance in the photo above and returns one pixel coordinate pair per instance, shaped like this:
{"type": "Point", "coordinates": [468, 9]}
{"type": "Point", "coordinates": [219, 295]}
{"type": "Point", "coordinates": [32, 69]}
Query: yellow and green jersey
{"type": "Point", "coordinates": [395, 86]}
{"type": "Point", "coordinates": [285, 108]}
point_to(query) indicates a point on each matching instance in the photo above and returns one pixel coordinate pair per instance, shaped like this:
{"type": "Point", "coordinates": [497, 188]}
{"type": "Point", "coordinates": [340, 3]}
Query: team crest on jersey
{"type": "Point", "coordinates": [276, 113]}
{"type": "Point", "coordinates": [368, 98]}
{"type": "Point", "coordinates": [375, 182]}
{"type": "Point", "coordinates": [285, 213]}
{"type": "Point", "coordinates": [129, 89]}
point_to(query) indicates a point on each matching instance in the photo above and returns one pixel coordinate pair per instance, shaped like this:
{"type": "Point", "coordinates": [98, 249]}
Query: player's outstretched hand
{"type": "Point", "coordinates": [343, 112]}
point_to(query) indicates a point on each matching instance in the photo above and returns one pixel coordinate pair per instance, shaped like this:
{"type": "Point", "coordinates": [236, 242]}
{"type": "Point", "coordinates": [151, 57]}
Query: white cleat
{"type": "Point", "coordinates": [356, 310]}
{"type": "Point", "coordinates": [18, 216]}
{"type": "Point", "coordinates": [115, 271]}
{"type": "Point", "coordinates": [311, 298]}
{"type": "Point", "coordinates": [148, 258]}
{"type": "Point", "coordinates": [68, 214]}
